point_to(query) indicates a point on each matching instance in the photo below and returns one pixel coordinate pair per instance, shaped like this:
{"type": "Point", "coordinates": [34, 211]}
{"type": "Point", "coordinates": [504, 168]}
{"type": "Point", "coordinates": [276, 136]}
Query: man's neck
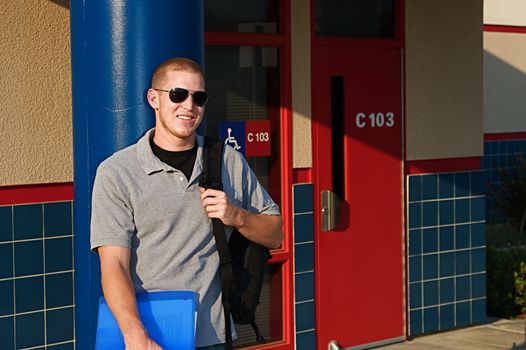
{"type": "Point", "coordinates": [174, 144]}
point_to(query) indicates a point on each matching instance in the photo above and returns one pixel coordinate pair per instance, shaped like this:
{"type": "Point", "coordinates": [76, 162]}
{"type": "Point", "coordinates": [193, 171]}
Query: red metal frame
{"type": "Point", "coordinates": [283, 255]}
{"type": "Point", "coordinates": [504, 29]}
{"type": "Point", "coordinates": [302, 175]}
{"type": "Point", "coordinates": [444, 165]}
{"type": "Point", "coordinates": [404, 157]}
{"type": "Point", "coordinates": [41, 193]}
{"type": "Point", "coordinates": [505, 136]}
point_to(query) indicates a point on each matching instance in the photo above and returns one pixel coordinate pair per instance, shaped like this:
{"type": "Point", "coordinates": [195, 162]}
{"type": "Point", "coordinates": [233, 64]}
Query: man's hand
{"type": "Point", "coordinates": [139, 340]}
{"type": "Point", "coordinates": [260, 228]}
{"type": "Point", "coordinates": [218, 206]}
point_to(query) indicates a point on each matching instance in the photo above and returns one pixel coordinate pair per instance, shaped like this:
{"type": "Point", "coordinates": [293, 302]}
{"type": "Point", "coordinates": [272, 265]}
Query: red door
{"type": "Point", "coordinates": [358, 156]}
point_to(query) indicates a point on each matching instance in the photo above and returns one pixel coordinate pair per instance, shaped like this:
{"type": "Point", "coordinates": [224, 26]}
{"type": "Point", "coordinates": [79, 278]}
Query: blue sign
{"type": "Point", "coordinates": [233, 133]}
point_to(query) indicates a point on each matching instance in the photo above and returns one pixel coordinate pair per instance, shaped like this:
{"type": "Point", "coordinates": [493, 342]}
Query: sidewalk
{"type": "Point", "coordinates": [498, 334]}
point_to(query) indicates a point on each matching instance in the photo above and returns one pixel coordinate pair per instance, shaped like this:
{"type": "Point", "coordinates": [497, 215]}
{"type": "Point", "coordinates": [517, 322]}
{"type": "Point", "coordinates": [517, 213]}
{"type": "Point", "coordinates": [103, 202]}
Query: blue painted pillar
{"type": "Point", "coordinates": [115, 46]}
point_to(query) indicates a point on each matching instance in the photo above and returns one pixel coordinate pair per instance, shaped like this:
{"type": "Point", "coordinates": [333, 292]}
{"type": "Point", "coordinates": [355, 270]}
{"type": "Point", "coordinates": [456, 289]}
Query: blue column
{"type": "Point", "coordinates": [115, 46]}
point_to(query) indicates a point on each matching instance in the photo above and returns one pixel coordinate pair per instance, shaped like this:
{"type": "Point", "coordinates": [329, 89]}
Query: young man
{"type": "Point", "coordinates": [151, 221]}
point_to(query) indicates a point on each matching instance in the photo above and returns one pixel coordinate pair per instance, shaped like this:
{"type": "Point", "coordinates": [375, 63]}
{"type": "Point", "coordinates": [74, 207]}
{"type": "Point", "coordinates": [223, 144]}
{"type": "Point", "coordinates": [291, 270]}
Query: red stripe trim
{"type": "Point", "coordinates": [505, 136]}
{"type": "Point", "coordinates": [416, 167]}
{"type": "Point", "coordinates": [301, 175]}
{"type": "Point", "coordinates": [504, 29]}
{"type": "Point", "coordinates": [25, 194]}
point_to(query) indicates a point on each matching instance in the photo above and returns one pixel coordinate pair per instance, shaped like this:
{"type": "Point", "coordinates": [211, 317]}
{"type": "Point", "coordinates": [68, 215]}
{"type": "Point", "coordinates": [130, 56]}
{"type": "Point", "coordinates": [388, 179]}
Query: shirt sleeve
{"type": "Point", "coordinates": [112, 221]}
{"type": "Point", "coordinates": [244, 183]}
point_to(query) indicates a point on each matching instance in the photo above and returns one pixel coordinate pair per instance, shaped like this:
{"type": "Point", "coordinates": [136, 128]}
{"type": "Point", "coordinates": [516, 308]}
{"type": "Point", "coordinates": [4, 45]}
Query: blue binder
{"type": "Point", "coordinates": [169, 317]}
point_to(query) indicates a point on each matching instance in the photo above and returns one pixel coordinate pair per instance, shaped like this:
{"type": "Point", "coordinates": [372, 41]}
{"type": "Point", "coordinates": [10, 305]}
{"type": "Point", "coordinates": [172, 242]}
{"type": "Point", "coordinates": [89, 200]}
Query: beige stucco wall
{"type": "Point", "coordinates": [444, 79]}
{"type": "Point", "coordinates": [35, 90]}
{"type": "Point", "coordinates": [301, 84]}
{"type": "Point", "coordinates": [504, 82]}
{"type": "Point", "coordinates": [505, 12]}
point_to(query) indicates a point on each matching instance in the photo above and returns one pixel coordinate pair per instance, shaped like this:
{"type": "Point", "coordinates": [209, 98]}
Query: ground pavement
{"type": "Point", "coordinates": [497, 334]}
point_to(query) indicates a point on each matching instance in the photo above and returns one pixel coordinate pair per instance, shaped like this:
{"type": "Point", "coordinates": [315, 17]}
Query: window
{"type": "Point", "coordinates": [356, 18]}
{"type": "Point", "coordinates": [268, 313]}
{"type": "Point", "coordinates": [242, 16]}
{"type": "Point", "coordinates": [244, 71]}
{"type": "Point", "coordinates": [243, 84]}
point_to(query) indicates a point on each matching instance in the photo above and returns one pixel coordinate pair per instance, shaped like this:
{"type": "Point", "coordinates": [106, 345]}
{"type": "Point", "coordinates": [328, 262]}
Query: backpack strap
{"type": "Point", "coordinates": [211, 178]}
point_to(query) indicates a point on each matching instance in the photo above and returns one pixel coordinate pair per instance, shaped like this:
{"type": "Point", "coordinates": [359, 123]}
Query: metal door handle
{"type": "Point", "coordinates": [330, 210]}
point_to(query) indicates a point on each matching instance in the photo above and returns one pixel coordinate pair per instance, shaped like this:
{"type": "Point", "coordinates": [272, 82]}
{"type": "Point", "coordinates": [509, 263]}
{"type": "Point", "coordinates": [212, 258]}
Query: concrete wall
{"type": "Point", "coordinates": [504, 82]}
{"type": "Point", "coordinates": [505, 12]}
{"type": "Point", "coordinates": [504, 68]}
{"type": "Point", "coordinates": [35, 90]}
{"type": "Point", "coordinates": [301, 84]}
{"type": "Point", "coordinates": [444, 79]}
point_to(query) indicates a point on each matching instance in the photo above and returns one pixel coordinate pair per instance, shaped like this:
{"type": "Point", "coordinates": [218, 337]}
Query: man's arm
{"type": "Point", "coordinates": [260, 228]}
{"type": "Point", "coordinates": [120, 296]}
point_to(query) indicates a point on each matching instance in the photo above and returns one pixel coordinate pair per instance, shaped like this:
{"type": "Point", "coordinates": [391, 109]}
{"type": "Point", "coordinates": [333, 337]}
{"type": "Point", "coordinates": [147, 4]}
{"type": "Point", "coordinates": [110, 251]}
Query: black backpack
{"type": "Point", "coordinates": [242, 262]}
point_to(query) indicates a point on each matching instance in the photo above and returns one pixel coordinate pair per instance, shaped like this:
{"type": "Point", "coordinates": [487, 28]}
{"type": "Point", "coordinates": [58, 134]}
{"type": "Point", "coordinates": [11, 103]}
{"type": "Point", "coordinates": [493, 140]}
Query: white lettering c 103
{"type": "Point", "coordinates": [375, 120]}
{"type": "Point", "coordinates": [258, 137]}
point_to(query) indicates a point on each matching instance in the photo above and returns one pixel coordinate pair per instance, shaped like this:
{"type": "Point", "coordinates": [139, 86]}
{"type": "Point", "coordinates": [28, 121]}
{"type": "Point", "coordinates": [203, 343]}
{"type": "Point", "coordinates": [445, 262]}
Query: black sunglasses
{"type": "Point", "coordinates": [178, 95]}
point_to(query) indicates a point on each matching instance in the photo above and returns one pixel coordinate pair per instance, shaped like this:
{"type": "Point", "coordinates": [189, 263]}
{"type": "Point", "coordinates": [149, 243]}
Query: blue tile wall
{"type": "Point", "coordinates": [304, 257]}
{"type": "Point", "coordinates": [6, 260]}
{"type": "Point", "coordinates": [304, 266]}
{"type": "Point", "coordinates": [447, 316]}
{"type": "Point", "coordinates": [29, 294]}
{"type": "Point", "coordinates": [7, 296]}
{"type": "Point", "coordinates": [27, 221]}
{"type": "Point", "coordinates": [446, 251]}
{"type": "Point", "coordinates": [303, 200]}
{"type": "Point", "coordinates": [36, 276]}
{"type": "Point", "coordinates": [7, 325]}
{"type": "Point", "coordinates": [305, 316]}
{"type": "Point", "coordinates": [304, 286]}
{"type": "Point", "coordinates": [59, 325]}
{"type": "Point", "coordinates": [306, 340]}
{"type": "Point", "coordinates": [29, 330]}
{"type": "Point", "coordinates": [67, 346]}
{"type": "Point", "coordinates": [499, 154]}
{"type": "Point", "coordinates": [6, 224]}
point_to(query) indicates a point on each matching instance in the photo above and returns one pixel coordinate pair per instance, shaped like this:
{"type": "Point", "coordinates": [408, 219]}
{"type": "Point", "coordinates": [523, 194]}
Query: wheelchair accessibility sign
{"type": "Point", "coordinates": [251, 138]}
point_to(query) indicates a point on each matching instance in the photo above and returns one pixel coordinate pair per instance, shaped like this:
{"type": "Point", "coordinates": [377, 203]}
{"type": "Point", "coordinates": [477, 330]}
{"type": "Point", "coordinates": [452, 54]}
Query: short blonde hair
{"type": "Point", "coordinates": [175, 64]}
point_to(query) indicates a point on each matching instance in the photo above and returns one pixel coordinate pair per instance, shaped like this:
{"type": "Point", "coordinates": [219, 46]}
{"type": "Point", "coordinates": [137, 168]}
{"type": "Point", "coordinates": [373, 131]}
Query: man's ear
{"type": "Point", "coordinates": [153, 98]}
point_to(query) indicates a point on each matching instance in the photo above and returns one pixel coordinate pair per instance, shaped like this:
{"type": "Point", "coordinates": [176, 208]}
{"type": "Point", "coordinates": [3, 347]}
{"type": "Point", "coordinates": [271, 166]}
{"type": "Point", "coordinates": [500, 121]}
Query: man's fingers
{"type": "Point", "coordinates": [211, 193]}
{"type": "Point", "coordinates": [208, 201]}
{"type": "Point", "coordinates": [214, 209]}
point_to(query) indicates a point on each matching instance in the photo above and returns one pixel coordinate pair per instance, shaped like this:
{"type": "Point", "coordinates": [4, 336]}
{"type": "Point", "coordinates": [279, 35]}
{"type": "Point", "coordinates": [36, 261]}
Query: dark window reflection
{"type": "Point", "coordinates": [356, 18]}
{"type": "Point", "coordinates": [269, 312]}
{"type": "Point", "coordinates": [261, 16]}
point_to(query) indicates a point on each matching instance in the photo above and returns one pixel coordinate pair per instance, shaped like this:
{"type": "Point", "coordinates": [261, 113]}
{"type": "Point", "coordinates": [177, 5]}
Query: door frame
{"type": "Point", "coordinates": [282, 256]}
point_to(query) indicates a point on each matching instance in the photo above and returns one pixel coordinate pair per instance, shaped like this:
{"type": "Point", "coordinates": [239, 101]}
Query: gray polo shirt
{"type": "Point", "coordinates": [146, 205]}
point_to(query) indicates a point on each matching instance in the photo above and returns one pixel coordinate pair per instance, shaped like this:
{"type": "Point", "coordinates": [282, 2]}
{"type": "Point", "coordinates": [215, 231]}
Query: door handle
{"type": "Point", "coordinates": [330, 210]}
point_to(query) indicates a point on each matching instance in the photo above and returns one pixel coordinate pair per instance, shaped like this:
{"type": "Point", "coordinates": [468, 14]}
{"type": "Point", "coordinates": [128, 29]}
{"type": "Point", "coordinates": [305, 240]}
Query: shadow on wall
{"type": "Point", "coordinates": [504, 103]}
{"type": "Point", "coordinates": [63, 3]}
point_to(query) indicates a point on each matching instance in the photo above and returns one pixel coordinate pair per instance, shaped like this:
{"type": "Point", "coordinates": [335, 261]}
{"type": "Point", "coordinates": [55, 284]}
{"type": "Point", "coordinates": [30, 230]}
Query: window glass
{"type": "Point", "coordinates": [243, 85]}
{"type": "Point", "coordinates": [356, 18]}
{"type": "Point", "coordinates": [243, 16]}
{"type": "Point", "coordinates": [268, 313]}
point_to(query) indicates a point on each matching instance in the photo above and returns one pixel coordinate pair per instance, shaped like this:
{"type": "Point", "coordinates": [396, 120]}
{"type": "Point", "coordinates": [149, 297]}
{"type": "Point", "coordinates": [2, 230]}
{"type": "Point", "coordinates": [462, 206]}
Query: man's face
{"type": "Point", "coordinates": [176, 123]}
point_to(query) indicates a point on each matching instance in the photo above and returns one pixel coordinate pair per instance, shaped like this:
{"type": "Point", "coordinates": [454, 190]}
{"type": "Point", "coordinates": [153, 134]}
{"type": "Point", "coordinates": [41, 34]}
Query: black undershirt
{"type": "Point", "coordinates": [180, 160]}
